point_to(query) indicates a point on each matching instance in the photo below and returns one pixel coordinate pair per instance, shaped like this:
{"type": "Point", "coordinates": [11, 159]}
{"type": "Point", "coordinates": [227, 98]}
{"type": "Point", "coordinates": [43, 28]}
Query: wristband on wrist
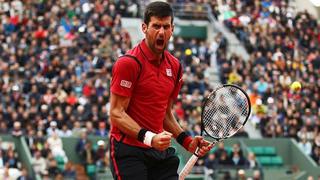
{"type": "Point", "coordinates": [141, 135]}
{"type": "Point", "coordinates": [148, 138]}
{"type": "Point", "coordinates": [184, 140]}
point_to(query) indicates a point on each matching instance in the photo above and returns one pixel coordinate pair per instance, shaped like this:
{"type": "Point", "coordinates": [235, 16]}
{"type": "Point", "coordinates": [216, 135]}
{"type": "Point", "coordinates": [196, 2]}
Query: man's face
{"type": "Point", "coordinates": [158, 33]}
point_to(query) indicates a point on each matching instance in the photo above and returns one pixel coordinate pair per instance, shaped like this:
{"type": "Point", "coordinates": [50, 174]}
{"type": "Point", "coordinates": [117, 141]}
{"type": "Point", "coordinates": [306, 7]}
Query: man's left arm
{"type": "Point", "coordinates": [190, 144]}
{"type": "Point", "coordinates": [170, 123]}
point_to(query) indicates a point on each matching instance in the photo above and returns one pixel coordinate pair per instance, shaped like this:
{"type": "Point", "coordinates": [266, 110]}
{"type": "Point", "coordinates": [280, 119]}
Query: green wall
{"type": "Point", "coordinates": [191, 31]}
{"type": "Point", "coordinates": [22, 150]}
{"type": "Point", "coordinates": [69, 145]}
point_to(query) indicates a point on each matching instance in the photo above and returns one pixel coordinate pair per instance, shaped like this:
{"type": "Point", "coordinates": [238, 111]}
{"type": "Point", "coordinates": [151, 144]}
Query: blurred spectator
{"type": "Point", "coordinates": [24, 175]}
{"type": "Point", "coordinates": [90, 130]}
{"type": "Point", "coordinates": [102, 155]}
{"type": "Point", "coordinates": [77, 130]}
{"type": "Point", "coordinates": [211, 161]}
{"type": "Point", "coordinates": [16, 131]}
{"type": "Point", "coordinates": [102, 131]}
{"type": "Point", "coordinates": [69, 171]}
{"type": "Point", "coordinates": [224, 159]}
{"type": "Point", "coordinates": [251, 162]}
{"type": "Point", "coordinates": [241, 175]}
{"type": "Point", "coordinates": [88, 155]}
{"type": "Point", "coordinates": [30, 139]}
{"type": "Point", "coordinates": [53, 169]}
{"type": "Point", "coordinates": [46, 150]}
{"type": "Point", "coordinates": [65, 131]}
{"type": "Point", "coordinates": [316, 154]}
{"type": "Point", "coordinates": [256, 175]}
{"type": "Point", "coordinates": [39, 163]}
{"type": "Point", "coordinates": [53, 129]}
{"type": "Point", "coordinates": [220, 150]}
{"type": "Point", "coordinates": [236, 157]}
{"type": "Point", "coordinates": [56, 146]}
{"type": "Point", "coordinates": [11, 161]}
{"type": "Point", "coordinates": [305, 146]}
{"type": "Point", "coordinates": [80, 146]}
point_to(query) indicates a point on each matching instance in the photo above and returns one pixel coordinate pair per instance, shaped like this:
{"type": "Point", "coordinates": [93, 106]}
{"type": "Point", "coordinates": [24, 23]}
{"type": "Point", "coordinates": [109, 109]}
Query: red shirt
{"type": "Point", "coordinates": [149, 93]}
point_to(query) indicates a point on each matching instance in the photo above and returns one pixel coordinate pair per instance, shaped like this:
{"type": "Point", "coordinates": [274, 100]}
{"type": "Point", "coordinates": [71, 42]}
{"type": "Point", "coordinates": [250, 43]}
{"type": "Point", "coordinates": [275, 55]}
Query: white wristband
{"type": "Point", "coordinates": [148, 138]}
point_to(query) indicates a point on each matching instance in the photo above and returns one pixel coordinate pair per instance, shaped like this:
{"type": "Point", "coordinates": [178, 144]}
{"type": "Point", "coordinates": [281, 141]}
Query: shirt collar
{"type": "Point", "coordinates": [147, 51]}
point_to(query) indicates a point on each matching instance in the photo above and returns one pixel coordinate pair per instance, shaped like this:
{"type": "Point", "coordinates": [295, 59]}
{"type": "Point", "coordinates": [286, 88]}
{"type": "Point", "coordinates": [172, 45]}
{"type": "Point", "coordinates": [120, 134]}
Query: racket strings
{"type": "Point", "coordinates": [225, 112]}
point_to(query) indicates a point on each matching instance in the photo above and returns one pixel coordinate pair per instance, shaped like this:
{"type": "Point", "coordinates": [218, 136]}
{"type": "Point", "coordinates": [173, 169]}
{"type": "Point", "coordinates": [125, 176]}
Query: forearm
{"type": "Point", "coordinates": [120, 118]}
{"type": "Point", "coordinates": [125, 123]}
{"type": "Point", "coordinates": [171, 124]}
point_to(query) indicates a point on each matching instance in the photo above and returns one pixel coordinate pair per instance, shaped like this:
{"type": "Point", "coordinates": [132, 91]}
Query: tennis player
{"type": "Point", "coordinates": [145, 82]}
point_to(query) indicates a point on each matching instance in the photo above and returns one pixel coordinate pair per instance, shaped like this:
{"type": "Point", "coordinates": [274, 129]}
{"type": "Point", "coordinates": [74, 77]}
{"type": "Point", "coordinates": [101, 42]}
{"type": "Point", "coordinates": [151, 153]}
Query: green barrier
{"type": "Point", "coordinates": [23, 152]}
{"type": "Point", "coordinates": [191, 31]}
{"type": "Point", "coordinates": [69, 146]}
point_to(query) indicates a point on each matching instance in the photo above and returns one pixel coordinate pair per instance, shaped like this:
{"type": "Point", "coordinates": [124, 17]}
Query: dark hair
{"type": "Point", "coordinates": [158, 9]}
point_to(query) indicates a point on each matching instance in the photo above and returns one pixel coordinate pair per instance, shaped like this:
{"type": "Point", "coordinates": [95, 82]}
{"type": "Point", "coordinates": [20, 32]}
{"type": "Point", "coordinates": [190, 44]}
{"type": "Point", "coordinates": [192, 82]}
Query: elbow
{"type": "Point", "coordinates": [115, 116]}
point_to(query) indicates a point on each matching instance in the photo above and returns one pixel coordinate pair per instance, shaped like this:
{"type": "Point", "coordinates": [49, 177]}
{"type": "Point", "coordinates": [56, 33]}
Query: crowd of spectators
{"type": "Point", "coordinates": [284, 47]}
{"type": "Point", "coordinates": [55, 65]}
{"type": "Point", "coordinates": [10, 166]}
{"type": "Point", "coordinates": [233, 158]}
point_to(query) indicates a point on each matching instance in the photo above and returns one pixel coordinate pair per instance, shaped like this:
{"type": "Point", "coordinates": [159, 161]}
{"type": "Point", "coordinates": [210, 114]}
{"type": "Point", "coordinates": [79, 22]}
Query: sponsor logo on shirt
{"type": "Point", "coordinates": [169, 72]}
{"type": "Point", "coordinates": [126, 84]}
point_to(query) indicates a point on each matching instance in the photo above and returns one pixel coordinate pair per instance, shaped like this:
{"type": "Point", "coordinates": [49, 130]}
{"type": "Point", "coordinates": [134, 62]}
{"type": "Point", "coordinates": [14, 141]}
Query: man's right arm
{"type": "Point", "coordinates": [119, 117]}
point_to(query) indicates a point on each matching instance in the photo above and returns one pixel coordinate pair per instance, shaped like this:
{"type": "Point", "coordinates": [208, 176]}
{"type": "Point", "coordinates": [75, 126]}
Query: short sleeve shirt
{"type": "Point", "coordinates": [149, 86]}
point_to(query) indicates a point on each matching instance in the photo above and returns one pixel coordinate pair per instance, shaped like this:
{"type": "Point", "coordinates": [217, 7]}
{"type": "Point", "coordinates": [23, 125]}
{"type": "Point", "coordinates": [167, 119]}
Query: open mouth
{"type": "Point", "coordinates": [160, 42]}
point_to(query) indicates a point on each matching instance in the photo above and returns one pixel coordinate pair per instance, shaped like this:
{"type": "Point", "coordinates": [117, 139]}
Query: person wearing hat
{"type": "Point", "coordinates": [53, 128]}
{"type": "Point", "coordinates": [101, 155]}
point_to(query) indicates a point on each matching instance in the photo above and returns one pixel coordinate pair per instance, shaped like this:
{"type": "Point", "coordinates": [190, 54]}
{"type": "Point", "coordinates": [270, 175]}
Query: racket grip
{"type": "Point", "coordinates": [188, 167]}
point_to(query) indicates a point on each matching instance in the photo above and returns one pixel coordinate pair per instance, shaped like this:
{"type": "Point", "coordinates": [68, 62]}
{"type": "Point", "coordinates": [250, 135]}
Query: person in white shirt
{"type": "Point", "coordinates": [56, 146]}
{"type": "Point", "coordinates": [65, 132]}
{"type": "Point", "coordinates": [305, 146]}
{"type": "Point", "coordinates": [39, 163]}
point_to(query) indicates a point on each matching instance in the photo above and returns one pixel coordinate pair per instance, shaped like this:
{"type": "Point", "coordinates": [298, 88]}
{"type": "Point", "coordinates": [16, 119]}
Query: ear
{"type": "Point", "coordinates": [144, 28]}
{"type": "Point", "coordinates": [172, 29]}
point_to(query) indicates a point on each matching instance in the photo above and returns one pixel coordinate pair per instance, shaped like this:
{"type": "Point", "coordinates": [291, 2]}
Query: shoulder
{"type": "Point", "coordinates": [127, 62]}
{"type": "Point", "coordinates": [130, 59]}
{"type": "Point", "coordinates": [173, 60]}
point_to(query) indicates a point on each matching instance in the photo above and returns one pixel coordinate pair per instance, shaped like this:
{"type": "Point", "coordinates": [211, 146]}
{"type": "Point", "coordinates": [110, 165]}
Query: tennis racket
{"type": "Point", "coordinates": [224, 112]}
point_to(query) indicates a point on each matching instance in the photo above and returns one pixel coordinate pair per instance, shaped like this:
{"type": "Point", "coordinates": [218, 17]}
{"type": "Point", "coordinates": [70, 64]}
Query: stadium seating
{"type": "Point", "coordinates": [263, 150]}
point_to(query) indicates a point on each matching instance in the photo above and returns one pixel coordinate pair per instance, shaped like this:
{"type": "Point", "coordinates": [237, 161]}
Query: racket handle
{"type": "Point", "coordinates": [188, 167]}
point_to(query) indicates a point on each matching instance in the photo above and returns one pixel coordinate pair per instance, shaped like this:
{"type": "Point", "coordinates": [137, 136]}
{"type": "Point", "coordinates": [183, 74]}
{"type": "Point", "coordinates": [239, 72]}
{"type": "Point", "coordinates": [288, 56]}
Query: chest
{"type": "Point", "coordinates": [156, 81]}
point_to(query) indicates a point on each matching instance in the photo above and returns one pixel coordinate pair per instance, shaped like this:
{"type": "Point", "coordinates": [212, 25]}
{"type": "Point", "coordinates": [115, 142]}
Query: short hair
{"type": "Point", "coordinates": [158, 9]}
